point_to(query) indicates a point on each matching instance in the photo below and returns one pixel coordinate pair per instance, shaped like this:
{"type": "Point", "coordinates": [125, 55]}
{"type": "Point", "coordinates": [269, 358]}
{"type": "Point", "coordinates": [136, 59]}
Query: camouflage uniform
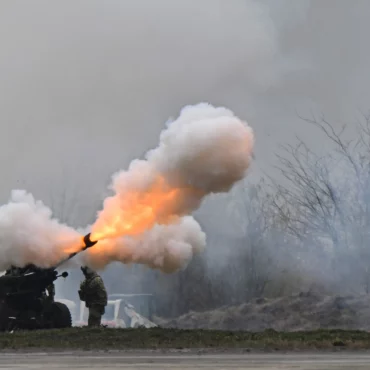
{"type": "Point", "coordinates": [92, 291]}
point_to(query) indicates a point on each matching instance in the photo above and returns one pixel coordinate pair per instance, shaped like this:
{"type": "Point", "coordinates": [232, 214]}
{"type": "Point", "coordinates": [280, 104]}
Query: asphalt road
{"type": "Point", "coordinates": [175, 361]}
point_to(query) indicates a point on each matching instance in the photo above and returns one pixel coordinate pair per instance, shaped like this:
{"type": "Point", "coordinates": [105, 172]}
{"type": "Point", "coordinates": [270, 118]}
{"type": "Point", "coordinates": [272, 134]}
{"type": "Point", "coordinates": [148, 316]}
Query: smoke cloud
{"type": "Point", "coordinates": [164, 247]}
{"type": "Point", "coordinates": [205, 150]}
{"type": "Point", "coordinates": [29, 234]}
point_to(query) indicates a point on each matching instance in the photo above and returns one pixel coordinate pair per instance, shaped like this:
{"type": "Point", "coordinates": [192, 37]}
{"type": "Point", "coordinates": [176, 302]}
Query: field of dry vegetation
{"type": "Point", "coordinates": [158, 338]}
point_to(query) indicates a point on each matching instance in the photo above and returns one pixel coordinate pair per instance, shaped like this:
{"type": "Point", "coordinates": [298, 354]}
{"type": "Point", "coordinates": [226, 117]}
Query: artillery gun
{"type": "Point", "coordinates": [24, 303]}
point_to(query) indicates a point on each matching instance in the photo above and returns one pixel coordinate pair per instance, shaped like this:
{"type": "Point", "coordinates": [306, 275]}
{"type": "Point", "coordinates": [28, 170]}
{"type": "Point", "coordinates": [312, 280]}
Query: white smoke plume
{"type": "Point", "coordinates": [205, 150]}
{"type": "Point", "coordinates": [28, 234]}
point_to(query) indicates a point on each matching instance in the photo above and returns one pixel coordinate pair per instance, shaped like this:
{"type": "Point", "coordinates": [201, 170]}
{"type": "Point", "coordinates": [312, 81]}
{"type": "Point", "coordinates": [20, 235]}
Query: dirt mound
{"type": "Point", "coordinates": [305, 311]}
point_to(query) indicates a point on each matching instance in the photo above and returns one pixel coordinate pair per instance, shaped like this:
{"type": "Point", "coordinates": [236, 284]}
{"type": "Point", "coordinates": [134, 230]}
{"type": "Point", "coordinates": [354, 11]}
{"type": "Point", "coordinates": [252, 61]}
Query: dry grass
{"type": "Point", "coordinates": [101, 339]}
{"type": "Point", "coordinates": [302, 312]}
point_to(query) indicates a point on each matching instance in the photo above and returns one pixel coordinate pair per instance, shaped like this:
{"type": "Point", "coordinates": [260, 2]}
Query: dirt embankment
{"type": "Point", "coordinates": [306, 311]}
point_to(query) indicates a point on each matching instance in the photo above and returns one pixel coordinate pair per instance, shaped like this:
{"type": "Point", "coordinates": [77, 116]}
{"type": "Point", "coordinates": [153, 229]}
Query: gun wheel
{"type": "Point", "coordinates": [61, 316]}
{"type": "Point", "coordinates": [5, 312]}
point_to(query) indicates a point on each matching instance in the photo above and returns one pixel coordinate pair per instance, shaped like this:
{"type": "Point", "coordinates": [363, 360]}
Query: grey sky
{"type": "Point", "coordinates": [87, 85]}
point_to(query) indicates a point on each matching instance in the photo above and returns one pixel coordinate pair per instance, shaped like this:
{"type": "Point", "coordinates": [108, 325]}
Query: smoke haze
{"type": "Point", "coordinates": [86, 87]}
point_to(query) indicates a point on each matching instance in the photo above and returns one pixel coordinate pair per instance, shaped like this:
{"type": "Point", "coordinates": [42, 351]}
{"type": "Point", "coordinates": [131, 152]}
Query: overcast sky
{"type": "Point", "coordinates": [86, 85]}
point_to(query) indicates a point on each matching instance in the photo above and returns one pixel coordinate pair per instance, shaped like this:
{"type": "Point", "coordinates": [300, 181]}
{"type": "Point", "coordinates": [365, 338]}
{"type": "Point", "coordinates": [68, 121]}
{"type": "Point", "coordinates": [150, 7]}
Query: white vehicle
{"type": "Point", "coordinates": [118, 314]}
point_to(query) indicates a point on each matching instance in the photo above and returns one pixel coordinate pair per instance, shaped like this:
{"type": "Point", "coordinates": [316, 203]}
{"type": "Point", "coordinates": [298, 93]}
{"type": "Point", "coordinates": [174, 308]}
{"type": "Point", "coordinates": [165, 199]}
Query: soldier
{"type": "Point", "coordinates": [93, 292]}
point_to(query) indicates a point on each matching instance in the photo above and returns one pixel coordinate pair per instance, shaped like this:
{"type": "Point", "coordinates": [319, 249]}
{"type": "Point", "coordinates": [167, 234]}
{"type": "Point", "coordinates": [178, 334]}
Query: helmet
{"type": "Point", "coordinates": [86, 270]}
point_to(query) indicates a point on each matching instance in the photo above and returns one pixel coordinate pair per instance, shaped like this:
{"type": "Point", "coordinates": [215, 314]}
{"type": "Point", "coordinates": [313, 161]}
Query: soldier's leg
{"type": "Point", "coordinates": [94, 316]}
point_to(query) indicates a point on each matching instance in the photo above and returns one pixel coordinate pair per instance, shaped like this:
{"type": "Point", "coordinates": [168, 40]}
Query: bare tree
{"type": "Point", "coordinates": [323, 202]}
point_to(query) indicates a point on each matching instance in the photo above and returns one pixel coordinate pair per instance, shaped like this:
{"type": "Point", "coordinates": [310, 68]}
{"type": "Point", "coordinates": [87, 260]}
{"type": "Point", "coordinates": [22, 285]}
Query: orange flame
{"type": "Point", "coordinates": [137, 211]}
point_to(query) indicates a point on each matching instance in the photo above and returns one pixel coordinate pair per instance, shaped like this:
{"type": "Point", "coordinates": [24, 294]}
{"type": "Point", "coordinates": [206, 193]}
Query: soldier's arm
{"type": "Point", "coordinates": [82, 292]}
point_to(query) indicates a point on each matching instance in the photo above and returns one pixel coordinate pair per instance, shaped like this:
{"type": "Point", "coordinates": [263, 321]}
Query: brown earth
{"type": "Point", "coordinates": [305, 311]}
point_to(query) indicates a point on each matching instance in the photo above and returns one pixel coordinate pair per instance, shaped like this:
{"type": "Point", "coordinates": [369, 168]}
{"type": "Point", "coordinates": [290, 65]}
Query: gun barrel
{"type": "Point", "coordinates": [88, 242]}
